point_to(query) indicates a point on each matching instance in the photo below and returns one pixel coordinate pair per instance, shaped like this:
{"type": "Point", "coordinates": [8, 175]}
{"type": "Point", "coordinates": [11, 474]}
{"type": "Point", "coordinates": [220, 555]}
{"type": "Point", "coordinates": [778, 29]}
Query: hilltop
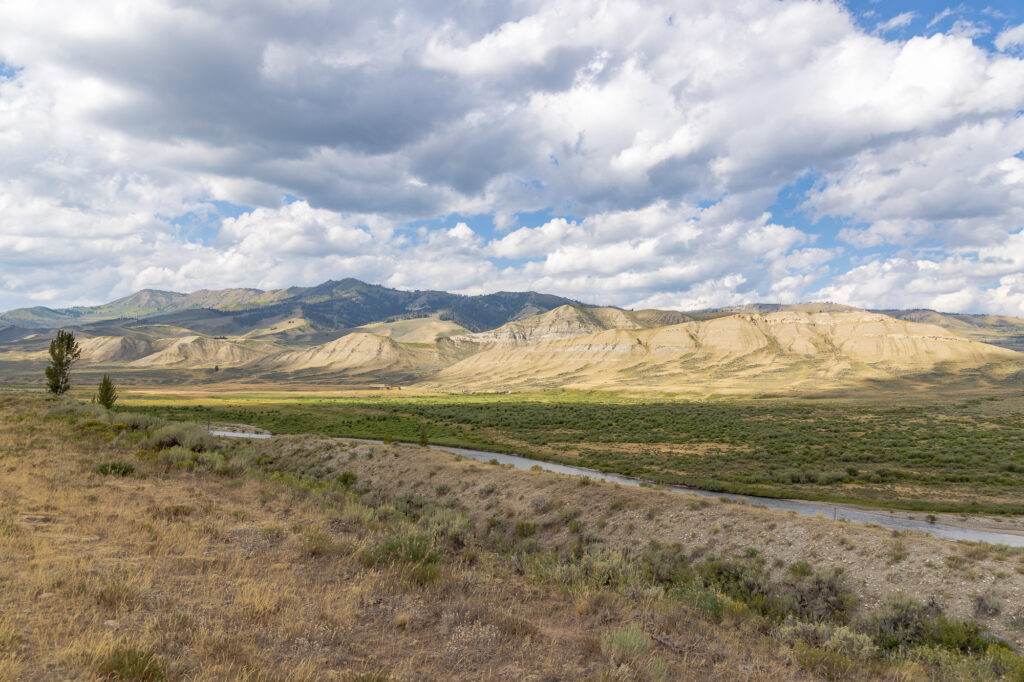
{"type": "Point", "coordinates": [331, 306]}
{"type": "Point", "coordinates": [352, 332]}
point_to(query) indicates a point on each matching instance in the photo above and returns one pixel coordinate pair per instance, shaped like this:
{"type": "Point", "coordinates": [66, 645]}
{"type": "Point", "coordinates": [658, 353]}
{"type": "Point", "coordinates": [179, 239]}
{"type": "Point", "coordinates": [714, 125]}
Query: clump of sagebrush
{"type": "Point", "coordinates": [905, 622]}
{"type": "Point", "coordinates": [188, 435]}
{"type": "Point", "coordinates": [625, 644]}
{"type": "Point", "coordinates": [136, 421]}
{"type": "Point", "coordinates": [117, 467]}
{"type": "Point", "coordinates": [133, 421]}
{"type": "Point", "coordinates": [805, 593]}
{"type": "Point", "coordinates": [408, 549]}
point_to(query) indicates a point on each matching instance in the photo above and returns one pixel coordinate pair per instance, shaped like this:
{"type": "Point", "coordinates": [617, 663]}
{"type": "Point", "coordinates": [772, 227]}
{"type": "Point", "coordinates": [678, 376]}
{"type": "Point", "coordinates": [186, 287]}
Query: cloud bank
{"type": "Point", "coordinates": [675, 154]}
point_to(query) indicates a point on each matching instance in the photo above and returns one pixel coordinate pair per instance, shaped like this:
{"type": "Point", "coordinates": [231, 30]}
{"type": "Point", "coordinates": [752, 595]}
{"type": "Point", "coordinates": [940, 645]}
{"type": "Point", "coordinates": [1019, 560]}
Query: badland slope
{"type": "Point", "coordinates": [518, 341]}
{"type": "Point", "coordinates": [785, 349]}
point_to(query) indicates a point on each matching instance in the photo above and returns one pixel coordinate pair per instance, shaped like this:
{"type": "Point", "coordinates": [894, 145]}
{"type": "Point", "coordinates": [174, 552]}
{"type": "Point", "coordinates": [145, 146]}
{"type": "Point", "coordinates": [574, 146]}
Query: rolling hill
{"type": "Point", "coordinates": [350, 331]}
{"type": "Point", "coordinates": [774, 350]}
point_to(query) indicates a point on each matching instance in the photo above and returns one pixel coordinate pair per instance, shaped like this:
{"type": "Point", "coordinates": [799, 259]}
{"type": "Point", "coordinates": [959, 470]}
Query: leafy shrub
{"type": "Point", "coordinates": [852, 644]}
{"type": "Point", "coordinates": [900, 622]}
{"type": "Point", "coordinates": [897, 551]}
{"type": "Point", "coordinates": [178, 456]}
{"type": "Point", "coordinates": [117, 467]}
{"type": "Point", "coordinates": [800, 569]}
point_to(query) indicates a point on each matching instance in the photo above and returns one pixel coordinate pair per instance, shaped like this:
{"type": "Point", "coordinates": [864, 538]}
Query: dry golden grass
{"type": "Point", "coordinates": [178, 574]}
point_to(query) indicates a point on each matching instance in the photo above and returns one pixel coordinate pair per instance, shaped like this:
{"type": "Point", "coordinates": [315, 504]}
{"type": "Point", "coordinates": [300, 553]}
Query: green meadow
{"type": "Point", "coordinates": [962, 455]}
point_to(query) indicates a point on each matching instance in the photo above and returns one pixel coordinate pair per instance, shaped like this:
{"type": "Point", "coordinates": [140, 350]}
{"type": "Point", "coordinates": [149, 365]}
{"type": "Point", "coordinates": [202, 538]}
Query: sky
{"type": "Point", "coordinates": [680, 154]}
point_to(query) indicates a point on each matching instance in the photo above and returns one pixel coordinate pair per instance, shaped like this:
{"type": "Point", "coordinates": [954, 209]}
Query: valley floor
{"type": "Point", "coordinates": [956, 452]}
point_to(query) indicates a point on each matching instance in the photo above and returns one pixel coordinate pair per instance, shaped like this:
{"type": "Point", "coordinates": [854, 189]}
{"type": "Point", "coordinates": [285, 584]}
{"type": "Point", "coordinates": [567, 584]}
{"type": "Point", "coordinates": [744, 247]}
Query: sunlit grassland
{"type": "Point", "coordinates": [961, 453]}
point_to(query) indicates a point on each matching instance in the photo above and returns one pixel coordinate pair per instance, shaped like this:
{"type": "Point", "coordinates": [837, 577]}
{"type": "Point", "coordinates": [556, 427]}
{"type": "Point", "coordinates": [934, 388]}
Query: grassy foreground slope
{"type": "Point", "coordinates": [963, 454]}
{"type": "Point", "coordinates": [135, 550]}
{"type": "Point", "coordinates": [191, 566]}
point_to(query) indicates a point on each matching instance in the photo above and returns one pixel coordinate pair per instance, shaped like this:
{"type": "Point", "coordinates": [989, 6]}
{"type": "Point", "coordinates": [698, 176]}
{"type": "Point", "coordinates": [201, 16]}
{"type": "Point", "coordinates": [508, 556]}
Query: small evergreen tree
{"type": "Point", "coordinates": [423, 435]}
{"type": "Point", "coordinates": [64, 351]}
{"type": "Point", "coordinates": [107, 394]}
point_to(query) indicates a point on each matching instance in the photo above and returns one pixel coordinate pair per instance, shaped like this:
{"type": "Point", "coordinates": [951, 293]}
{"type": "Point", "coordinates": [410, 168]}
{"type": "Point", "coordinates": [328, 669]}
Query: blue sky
{"type": "Point", "coordinates": [678, 154]}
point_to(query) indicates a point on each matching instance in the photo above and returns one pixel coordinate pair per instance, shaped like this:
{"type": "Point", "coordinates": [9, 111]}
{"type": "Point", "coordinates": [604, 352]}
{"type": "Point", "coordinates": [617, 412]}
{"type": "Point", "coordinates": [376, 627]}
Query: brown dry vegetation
{"type": "Point", "coordinates": [179, 572]}
{"type": "Point", "coordinates": [234, 577]}
{"type": "Point", "coordinates": [949, 573]}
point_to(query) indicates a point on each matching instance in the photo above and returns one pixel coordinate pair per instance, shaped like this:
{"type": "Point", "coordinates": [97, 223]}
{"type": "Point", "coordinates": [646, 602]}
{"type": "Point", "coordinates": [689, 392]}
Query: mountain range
{"type": "Point", "coordinates": [350, 332]}
{"type": "Point", "coordinates": [331, 306]}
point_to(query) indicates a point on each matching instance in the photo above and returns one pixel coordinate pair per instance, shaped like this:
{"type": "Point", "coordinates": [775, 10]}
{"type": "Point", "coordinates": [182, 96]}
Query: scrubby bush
{"type": "Point", "coordinates": [746, 581]}
{"type": "Point", "coordinates": [816, 595]}
{"type": "Point", "coordinates": [407, 547]}
{"type": "Point", "coordinates": [178, 456]}
{"type": "Point", "coordinates": [413, 551]}
{"type": "Point", "coordinates": [187, 435]}
{"type": "Point", "coordinates": [904, 622]}
{"type": "Point", "coordinates": [625, 644]}
{"type": "Point", "coordinates": [525, 529]}
{"type": "Point", "coordinates": [838, 639]}
{"type": "Point", "coordinates": [665, 565]}
{"type": "Point", "coordinates": [117, 467]}
{"type": "Point", "coordinates": [66, 406]}
{"type": "Point", "coordinates": [137, 421]}
{"type": "Point", "coordinates": [987, 604]}
{"type": "Point", "coordinates": [448, 526]}
{"type": "Point", "coordinates": [822, 595]}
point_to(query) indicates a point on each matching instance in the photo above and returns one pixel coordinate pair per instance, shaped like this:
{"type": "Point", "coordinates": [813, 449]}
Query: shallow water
{"type": "Point", "coordinates": [802, 507]}
{"type": "Point", "coordinates": [238, 434]}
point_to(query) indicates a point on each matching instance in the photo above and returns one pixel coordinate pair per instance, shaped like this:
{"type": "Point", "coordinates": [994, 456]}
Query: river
{"type": "Point", "coordinates": [803, 507]}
